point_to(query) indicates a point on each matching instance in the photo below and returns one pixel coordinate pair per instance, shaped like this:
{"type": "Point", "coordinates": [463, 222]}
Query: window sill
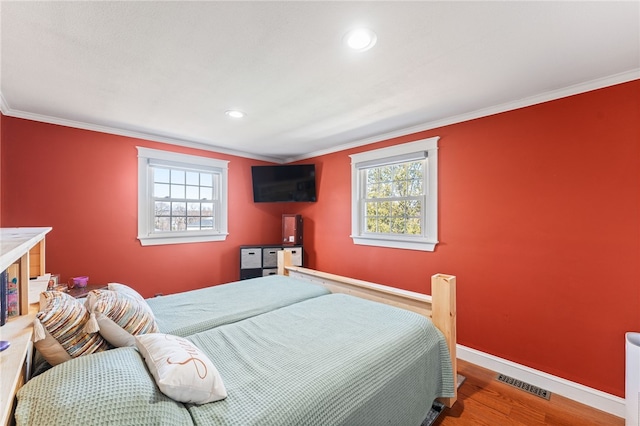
{"type": "Point", "coordinates": [422, 245]}
{"type": "Point", "coordinates": [155, 240]}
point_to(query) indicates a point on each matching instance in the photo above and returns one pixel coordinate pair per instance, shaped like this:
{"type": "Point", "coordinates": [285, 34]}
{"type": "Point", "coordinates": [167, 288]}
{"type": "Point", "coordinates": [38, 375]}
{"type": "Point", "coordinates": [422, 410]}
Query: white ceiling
{"type": "Point", "coordinates": [169, 70]}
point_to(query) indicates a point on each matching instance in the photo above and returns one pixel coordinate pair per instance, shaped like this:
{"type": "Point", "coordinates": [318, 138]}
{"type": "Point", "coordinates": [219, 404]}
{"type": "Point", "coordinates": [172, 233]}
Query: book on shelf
{"type": "Point", "coordinates": [3, 297]}
{"type": "Point", "coordinates": [13, 302]}
{"type": "Point", "coordinates": [9, 293]}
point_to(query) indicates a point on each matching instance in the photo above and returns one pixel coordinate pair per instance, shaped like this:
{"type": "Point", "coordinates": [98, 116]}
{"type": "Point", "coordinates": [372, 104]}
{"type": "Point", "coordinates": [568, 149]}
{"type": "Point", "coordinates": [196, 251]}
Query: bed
{"type": "Point", "coordinates": [194, 311]}
{"type": "Point", "coordinates": [334, 359]}
{"type": "Point", "coordinates": [190, 312]}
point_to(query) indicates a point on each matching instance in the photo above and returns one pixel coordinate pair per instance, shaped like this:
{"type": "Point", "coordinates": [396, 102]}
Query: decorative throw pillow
{"type": "Point", "coordinates": [181, 370]}
{"type": "Point", "coordinates": [58, 329]}
{"type": "Point", "coordinates": [122, 288]}
{"type": "Point", "coordinates": [118, 317]}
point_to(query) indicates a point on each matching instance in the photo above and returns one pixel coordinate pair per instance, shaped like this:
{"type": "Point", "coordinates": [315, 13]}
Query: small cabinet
{"type": "Point", "coordinates": [262, 260]}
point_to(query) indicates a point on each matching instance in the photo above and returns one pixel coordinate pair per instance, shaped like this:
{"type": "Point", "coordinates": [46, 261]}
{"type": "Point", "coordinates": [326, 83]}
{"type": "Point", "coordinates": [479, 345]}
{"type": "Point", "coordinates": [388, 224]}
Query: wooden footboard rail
{"type": "Point", "coordinates": [440, 307]}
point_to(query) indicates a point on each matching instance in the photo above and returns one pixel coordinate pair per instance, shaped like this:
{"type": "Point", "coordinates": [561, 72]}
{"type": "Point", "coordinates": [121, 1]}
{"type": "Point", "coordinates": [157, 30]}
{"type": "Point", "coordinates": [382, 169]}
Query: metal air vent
{"type": "Point", "coordinates": [534, 390]}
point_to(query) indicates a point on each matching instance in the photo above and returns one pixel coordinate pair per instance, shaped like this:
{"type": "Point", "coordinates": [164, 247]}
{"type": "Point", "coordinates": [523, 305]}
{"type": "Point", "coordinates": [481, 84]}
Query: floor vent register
{"type": "Point", "coordinates": [534, 390]}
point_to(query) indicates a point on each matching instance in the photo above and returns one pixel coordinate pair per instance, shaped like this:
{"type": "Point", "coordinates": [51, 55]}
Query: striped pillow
{"type": "Point", "coordinates": [58, 329]}
{"type": "Point", "coordinates": [119, 317]}
{"type": "Point", "coordinates": [123, 288]}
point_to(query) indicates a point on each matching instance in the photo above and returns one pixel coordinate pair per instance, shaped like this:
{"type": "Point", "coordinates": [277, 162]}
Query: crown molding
{"type": "Point", "coordinates": [4, 108]}
{"type": "Point", "coordinates": [204, 145]}
{"type": "Point", "coordinates": [9, 112]}
{"type": "Point", "coordinates": [509, 106]}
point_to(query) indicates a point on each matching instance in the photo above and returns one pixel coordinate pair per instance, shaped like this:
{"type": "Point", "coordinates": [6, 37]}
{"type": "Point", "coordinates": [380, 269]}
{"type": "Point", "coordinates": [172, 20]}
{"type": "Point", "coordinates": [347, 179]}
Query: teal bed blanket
{"type": "Point", "coordinates": [106, 388]}
{"type": "Point", "coordinates": [190, 312]}
{"type": "Point", "coordinates": [332, 360]}
{"type": "Point", "coordinates": [329, 360]}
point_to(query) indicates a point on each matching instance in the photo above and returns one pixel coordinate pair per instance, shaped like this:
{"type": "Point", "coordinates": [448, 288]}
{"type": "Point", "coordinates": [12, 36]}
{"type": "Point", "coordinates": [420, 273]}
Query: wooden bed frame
{"type": "Point", "coordinates": [440, 307]}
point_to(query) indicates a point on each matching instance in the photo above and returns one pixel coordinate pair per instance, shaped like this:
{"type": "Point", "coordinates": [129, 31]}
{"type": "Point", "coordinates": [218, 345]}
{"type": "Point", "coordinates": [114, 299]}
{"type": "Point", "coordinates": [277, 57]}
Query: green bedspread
{"type": "Point", "coordinates": [329, 360]}
{"type": "Point", "coordinates": [187, 313]}
{"type": "Point", "coordinates": [106, 388]}
{"type": "Point", "coordinates": [332, 360]}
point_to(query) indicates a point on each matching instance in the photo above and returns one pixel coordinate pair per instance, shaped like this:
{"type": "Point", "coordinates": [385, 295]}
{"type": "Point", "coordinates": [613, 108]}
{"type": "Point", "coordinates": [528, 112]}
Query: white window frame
{"type": "Point", "coordinates": [147, 158]}
{"type": "Point", "coordinates": [385, 156]}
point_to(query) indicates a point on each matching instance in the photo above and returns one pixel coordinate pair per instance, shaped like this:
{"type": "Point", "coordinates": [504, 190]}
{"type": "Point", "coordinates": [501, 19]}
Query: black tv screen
{"type": "Point", "coordinates": [284, 183]}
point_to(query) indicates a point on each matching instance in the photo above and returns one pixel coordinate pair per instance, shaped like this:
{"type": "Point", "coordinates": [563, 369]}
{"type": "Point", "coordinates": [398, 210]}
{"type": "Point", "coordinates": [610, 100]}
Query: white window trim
{"type": "Point", "coordinates": [427, 243]}
{"type": "Point", "coordinates": [145, 213]}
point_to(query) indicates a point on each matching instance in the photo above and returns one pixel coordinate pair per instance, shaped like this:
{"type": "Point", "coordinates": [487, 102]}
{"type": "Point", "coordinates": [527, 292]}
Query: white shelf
{"type": "Point", "coordinates": [16, 242]}
{"type": "Point", "coordinates": [15, 361]}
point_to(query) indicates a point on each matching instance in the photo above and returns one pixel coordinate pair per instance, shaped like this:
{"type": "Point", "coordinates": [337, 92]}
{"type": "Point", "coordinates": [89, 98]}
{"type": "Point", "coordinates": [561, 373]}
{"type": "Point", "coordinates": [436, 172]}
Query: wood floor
{"type": "Point", "coordinates": [482, 400]}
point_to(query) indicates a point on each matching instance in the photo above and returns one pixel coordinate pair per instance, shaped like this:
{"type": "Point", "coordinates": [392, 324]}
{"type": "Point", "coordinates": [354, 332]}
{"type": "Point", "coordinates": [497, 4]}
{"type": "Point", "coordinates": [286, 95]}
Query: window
{"type": "Point", "coordinates": [181, 198]}
{"type": "Point", "coordinates": [395, 196]}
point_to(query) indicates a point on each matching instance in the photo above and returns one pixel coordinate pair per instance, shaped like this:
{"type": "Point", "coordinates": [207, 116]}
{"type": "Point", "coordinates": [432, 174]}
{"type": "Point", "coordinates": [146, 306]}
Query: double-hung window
{"type": "Point", "coordinates": [181, 198]}
{"type": "Point", "coordinates": [395, 196]}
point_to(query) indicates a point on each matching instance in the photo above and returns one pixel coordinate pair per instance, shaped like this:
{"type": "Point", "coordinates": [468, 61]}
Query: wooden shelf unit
{"type": "Point", "coordinates": [26, 247]}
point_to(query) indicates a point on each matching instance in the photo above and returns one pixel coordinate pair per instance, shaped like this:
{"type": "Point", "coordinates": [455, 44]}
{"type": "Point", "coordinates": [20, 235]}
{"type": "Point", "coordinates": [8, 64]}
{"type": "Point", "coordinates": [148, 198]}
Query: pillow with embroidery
{"type": "Point", "coordinates": [118, 317]}
{"type": "Point", "coordinates": [181, 370]}
{"type": "Point", "coordinates": [58, 329]}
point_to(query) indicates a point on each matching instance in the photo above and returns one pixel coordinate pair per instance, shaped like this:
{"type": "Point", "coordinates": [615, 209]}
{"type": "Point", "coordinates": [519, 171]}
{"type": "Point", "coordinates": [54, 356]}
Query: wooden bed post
{"type": "Point", "coordinates": [284, 259]}
{"type": "Point", "coordinates": [443, 292]}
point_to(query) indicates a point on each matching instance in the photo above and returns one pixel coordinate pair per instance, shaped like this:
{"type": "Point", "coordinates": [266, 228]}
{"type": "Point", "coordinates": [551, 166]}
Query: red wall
{"type": "Point", "coordinates": [539, 220]}
{"type": "Point", "coordinates": [84, 185]}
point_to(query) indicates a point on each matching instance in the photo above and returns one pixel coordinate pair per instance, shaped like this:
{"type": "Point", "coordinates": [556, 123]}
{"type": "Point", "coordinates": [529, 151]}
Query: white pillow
{"type": "Point", "coordinates": [181, 370]}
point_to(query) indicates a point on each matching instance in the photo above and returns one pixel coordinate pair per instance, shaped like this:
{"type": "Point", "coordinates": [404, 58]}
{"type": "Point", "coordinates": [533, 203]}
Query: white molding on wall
{"type": "Point", "coordinates": [9, 112]}
{"type": "Point", "coordinates": [583, 394]}
{"type": "Point", "coordinates": [4, 107]}
{"type": "Point", "coordinates": [544, 97]}
{"type": "Point", "coordinates": [497, 109]}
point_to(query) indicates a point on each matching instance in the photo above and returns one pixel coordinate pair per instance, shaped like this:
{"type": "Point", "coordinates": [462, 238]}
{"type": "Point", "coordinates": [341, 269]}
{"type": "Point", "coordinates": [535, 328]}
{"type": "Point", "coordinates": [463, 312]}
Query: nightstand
{"type": "Point", "coordinates": [79, 292]}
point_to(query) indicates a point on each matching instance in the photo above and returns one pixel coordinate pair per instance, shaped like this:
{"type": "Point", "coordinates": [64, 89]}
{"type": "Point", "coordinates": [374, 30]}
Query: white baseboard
{"type": "Point", "coordinates": [583, 394]}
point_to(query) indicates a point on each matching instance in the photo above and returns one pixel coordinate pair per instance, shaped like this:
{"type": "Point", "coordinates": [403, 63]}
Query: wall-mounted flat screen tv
{"type": "Point", "coordinates": [284, 183]}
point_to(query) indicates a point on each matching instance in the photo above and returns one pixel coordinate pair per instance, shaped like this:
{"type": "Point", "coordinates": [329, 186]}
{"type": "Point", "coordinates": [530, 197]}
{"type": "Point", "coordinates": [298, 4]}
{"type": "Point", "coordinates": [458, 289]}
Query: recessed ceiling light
{"type": "Point", "coordinates": [360, 39]}
{"type": "Point", "coordinates": [234, 113]}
